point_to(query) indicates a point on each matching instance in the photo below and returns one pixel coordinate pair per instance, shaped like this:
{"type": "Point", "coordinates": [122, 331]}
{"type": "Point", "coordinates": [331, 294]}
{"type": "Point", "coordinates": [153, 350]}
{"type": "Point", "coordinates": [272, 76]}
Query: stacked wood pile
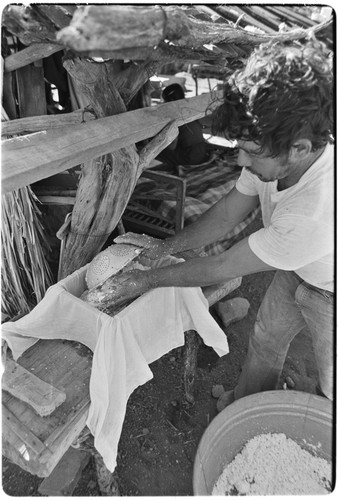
{"type": "Point", "coordinates": [132, 44]}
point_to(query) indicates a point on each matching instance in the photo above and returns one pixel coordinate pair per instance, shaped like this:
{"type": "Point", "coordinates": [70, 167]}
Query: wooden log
{"type": "Point", "coordinates": [28, 24]}
{"type": "Point", "coordinates": [28, 159]}
{"type": "Point", "coordinates": [131, 27]}
{"type": "Point", "coordinates": [64, 478]}
{"type": "Point", "coordinates": [111, 27]}
{"type": "Point", "coordinates": [138, 33]}
{"type": "Point", "coordinates": [192, 342]}
{"type": "Point", "coordinates": [34, 52]}
{"type": "Point", "coordinates": [24, 385]}
{"type": "Point", "coordinates": [46, 122]}
{"type": "Point", "coordinates": [213, 294]}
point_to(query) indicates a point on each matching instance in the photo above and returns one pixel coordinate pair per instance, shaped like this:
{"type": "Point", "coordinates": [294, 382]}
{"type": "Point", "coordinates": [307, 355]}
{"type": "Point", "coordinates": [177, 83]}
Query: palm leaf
{"type": "Point", "coordinates": [25, 273]}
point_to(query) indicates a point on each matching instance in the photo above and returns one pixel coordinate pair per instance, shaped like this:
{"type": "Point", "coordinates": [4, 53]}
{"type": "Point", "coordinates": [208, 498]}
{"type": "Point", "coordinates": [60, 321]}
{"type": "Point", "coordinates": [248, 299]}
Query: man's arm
{"type": "Point", "coordinates": [212, 225]}
{"type": "Point", "coordinates": [239, 260]}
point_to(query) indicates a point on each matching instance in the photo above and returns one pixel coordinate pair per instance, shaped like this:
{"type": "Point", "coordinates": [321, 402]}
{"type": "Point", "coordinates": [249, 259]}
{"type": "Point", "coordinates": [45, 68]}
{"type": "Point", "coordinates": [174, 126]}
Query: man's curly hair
{"type": "Point", "coordinates": [284, 93]}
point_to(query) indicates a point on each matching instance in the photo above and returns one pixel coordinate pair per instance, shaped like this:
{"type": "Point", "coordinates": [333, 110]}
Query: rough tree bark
{"type": "Point", "coordinates": [106, 183]}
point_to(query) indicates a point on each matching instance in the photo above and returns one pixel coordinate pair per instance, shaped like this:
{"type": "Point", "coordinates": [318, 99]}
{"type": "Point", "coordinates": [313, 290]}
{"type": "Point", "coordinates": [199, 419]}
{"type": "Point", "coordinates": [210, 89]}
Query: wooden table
{"type": "Point", "coordinates": [37, 443]}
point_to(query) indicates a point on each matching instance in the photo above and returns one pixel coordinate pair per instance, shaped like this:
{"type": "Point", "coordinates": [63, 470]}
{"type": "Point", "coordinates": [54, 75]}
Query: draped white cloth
{"type": "Point", "coordinates": [123, 345]}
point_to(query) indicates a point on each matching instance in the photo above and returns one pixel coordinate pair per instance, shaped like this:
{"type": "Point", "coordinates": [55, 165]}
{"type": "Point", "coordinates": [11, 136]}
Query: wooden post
{"type": "Point", "coordinates": [31, 90]}
{"type": "Point", "coordinates": [107, 182]}
{"type": "Point", "coordinates": [192, 342]}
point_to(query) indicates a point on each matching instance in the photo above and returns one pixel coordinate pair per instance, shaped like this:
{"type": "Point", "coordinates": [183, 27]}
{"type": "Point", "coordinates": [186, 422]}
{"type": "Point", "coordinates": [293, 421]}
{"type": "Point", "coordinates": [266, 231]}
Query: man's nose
{"type": "Point", "coordinates": [243, 159]}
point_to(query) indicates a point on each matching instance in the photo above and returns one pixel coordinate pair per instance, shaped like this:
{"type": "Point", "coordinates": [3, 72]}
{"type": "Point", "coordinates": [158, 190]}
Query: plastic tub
{"type": "Point", "coordinates": [303, 417]}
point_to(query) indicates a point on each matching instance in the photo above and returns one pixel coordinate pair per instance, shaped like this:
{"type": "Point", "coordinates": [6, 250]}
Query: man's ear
{"type": "Point", "coordinates": [301, 149]}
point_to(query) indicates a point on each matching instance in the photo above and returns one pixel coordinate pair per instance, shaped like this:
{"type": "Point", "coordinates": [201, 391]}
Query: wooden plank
{"type": "Point", "coordinates": [30, 54]}
{"type": "Point", "coordinates": [22, 384]}
{"type": "Point", "coordinates": [56, 13]}
{"type": "Point", "coordinates": [65, 427]}
{"type": "Point", "coordinates": [67, 365]}
{"type": "Point", "coordinates": [23, 433]}
{"type": "Point", "coordinates": [66, 474]}
{"type": "Point", "coordinates": [58, 364]}
{"type": "Point", "coordinates": [31, 91]}
{"type": "Point", "coordinates": [28, 159]}
{"type": "Point", "coordinates": [45, 122]}
{"type": "Point", "coordinates": [57, 200]}
{"type": "Point", "coordinates": [214, 293]}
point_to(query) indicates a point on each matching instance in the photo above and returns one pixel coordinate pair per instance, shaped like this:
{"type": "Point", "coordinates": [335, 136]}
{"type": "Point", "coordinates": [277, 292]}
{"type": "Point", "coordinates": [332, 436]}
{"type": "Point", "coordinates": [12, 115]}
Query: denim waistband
{"type": "Point", "coordinates": [327, 293]}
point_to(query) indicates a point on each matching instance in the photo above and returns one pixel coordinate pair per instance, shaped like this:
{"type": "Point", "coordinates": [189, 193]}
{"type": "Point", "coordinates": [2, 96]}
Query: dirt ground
{"type": "Point", "coordinates": [161, 431]}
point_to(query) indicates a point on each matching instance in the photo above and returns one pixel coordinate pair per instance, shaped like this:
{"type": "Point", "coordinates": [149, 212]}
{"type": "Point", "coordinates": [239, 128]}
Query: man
{"type": "Point", "coordinates": [280, 110]}
{"type": "Point", "coordinates": [190, 147]}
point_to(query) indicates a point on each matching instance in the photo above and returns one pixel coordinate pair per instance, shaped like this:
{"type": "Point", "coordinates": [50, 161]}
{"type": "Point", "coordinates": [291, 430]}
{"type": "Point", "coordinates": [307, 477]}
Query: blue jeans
{"type": "Point", "coordinates": [289, 305]}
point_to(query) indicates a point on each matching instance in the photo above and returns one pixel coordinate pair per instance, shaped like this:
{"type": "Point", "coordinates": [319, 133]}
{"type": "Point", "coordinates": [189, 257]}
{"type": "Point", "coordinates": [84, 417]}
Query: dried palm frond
{"type": "Point", "coordinates": [25, 273]}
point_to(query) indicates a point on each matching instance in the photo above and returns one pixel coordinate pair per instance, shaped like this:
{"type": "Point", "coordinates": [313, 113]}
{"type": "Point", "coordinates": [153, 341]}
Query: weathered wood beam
{"type": "Point", "coordinates": [35, 22]}
{"type": "Point", "coordinates": [34, 52]}
{"type": "Point", "coordinates": [45, 122]}
{"type": "Point", "coordinates": [163, 52]}
{"type": "Point", "coordinates": [111, 27]}
{"type": "Point", "coordinates": [28, 25]}
{"type": "Point", "coordinates": [30, 158]}
{"type": "Point", "coordinates": [58, 14]}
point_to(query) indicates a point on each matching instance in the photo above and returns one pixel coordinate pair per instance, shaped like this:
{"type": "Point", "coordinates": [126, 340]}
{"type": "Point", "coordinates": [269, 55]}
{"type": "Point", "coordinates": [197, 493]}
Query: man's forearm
{"type": "Point", "coordinates": [214, 224]}
{"type": "Point", "coordinates": [198, 234]}
{"type": "Point", "coordinates": [200, 271]}
{"type": "Point", "coordinates": [237, 261]}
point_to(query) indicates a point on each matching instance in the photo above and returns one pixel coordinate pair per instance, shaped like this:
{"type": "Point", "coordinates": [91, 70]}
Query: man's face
{"type": "Point", "coordinates": [266, 168]}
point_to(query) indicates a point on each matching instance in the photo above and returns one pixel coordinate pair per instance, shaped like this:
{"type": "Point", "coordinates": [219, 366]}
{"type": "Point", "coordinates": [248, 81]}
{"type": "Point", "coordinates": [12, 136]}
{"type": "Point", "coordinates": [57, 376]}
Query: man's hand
{"type": "Point", "coordinates": [153, 248]}
{"type": "Point", "coordinates": [127, 285]}
{"type": "Point", "coordinates": [151, 255]}
{"type": "Point", "coordinates": [139, 240]}
{"type": "Point", "coordinates": [117, 289]}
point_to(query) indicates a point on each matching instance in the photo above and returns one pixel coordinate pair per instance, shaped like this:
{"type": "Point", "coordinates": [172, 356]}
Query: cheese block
{"type": "Point", "coordinates": [109, 262]}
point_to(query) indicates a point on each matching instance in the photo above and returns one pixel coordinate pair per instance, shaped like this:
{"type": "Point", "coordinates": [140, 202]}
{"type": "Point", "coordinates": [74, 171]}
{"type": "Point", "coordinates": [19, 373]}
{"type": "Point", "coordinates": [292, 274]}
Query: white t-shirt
{"type": "Point", "coordinates": [298, 233]}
